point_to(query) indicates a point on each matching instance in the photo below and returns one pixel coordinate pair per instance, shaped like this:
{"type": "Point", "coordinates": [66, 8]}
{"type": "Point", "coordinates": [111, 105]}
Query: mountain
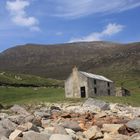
{"type": "Point", "coordinates": [114, 60]}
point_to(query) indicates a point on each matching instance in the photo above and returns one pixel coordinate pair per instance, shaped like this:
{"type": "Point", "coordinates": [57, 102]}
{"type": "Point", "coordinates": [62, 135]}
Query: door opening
{"type": "Point", "coordinates": [83, 92]}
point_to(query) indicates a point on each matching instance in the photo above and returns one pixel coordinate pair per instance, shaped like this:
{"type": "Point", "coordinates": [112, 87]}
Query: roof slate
{"type": "Point", "coordinates": [94, 76]}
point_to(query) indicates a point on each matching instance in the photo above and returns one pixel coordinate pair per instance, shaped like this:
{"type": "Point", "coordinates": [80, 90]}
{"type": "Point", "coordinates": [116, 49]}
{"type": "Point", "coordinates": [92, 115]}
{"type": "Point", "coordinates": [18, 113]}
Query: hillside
{"type": "Point", "coordinates": [24, 80]}
{"type": "Point", "coordinates": [56, 61]}
{"type": "Point", "coordinates": [120, 62]}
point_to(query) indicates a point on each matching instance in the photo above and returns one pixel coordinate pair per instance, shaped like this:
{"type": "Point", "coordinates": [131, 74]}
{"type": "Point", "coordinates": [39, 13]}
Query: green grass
{"type": "Point", "coordinates": [128, 79]}
{"type": "Point", "coordinates": [22, 95]}
{"type": "Point", "coordinates": [24, 79]}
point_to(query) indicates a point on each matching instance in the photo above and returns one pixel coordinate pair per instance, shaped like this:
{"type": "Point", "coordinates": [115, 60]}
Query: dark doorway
{"type": "Point", "coordinates": [83, 92]}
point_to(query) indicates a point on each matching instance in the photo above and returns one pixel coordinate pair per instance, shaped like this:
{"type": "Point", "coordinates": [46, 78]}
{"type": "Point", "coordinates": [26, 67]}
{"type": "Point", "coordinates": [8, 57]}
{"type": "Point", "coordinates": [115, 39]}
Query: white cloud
{"type": "Point", "coordinates": [19, 15]}
{"type": "Point", "coordinates": [110, 29]}
{"type": "Point", "coordinates": [75, 9]}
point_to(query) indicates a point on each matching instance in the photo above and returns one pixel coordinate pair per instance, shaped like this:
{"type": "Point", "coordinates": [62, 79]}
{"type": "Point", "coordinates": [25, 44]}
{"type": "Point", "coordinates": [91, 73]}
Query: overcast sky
{"type": "Point", "coordinates": [62, 21]}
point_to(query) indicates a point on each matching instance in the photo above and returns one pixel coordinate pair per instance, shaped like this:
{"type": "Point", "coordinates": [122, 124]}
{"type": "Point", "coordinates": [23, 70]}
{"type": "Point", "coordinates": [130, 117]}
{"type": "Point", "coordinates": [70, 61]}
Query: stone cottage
{"type": "Point", "coordinates": [83, 85]}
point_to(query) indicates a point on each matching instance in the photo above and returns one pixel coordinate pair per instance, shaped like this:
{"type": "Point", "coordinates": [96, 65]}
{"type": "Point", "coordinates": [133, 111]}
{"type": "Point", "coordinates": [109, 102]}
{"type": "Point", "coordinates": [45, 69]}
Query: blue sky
{"type": "Point", "coordinates": [62, 21]}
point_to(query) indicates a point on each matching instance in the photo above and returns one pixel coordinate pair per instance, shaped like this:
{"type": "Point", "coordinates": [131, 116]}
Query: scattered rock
{"type": "Point", "coordinates": [71, 125]}
{"type": "Point", "coordinates": [4, 138]}
{"type": "Point", "coordinates": [31, 135]}
{"type": "Point", "coordinates": [113, 128]}
{"type": "Point", "coordinates": [19, 110]}
{"type": "Point", "coordinates": [3, 116]}
{"type": "Point", "coordinates": [59, 130]}
{"type": "Point", "coordinates": [134, 124]}
{"type": "Point", "coordinates": [7, 124]}
{"type": "Point", "coordinates": [136, 136]}
{"type": "Point", "coordinates": [27, 126]}
{"type": "Point", "coordinates": [17, 133]}
{"type": "Point", "coordinates": [55, 108]}
{"type": "Point", "coordinates": [93, 133]}
{"type": "Point", "coordinates": [60, 137]}
{"type": "Point", "coordinates": [108, 136]}
{"type": "Point", "coordinates": [4, 132]}
{"type": "Point", "coordinates": [96, 104]}
{"type": "Point", "coordinates": [41, 114]}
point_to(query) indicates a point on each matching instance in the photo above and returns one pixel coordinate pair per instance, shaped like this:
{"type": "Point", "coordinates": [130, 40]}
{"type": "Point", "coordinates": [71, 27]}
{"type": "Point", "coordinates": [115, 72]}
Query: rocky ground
{"type": "Point", "coordinates": [92, 120]}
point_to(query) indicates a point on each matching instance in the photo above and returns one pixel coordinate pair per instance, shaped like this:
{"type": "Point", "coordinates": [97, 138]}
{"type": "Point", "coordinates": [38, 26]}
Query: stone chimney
{"type": "Point", "coordinates": [75, 69]}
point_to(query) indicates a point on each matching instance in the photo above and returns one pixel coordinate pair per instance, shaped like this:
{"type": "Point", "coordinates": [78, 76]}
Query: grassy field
{"type": "Point", "coordinates": [13, 79]}
{"type": "Point", "coordinates": [25, 95]}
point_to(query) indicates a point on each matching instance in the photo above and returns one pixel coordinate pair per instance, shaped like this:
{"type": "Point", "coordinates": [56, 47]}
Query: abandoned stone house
{"type": "Point", "coordinates": [83, 85]}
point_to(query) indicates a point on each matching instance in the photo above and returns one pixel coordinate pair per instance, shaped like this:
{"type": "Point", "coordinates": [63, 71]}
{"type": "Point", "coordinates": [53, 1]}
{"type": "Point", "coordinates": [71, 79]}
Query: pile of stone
{"type": "Point", "coordinates": [93, 120]}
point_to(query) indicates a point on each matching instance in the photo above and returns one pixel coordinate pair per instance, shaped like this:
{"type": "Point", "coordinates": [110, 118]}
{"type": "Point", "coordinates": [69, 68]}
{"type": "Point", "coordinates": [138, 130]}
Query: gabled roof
{"type": "Point", "coordinates": [94, 76]}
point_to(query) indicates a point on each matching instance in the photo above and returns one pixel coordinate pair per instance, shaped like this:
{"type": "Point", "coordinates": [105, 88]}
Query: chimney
{"type": "Point", "coordinates": [75, 69]}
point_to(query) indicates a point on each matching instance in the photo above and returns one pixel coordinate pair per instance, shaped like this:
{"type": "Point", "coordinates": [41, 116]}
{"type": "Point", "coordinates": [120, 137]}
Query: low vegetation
{"type": "Point", "coordinates": [24, 80]}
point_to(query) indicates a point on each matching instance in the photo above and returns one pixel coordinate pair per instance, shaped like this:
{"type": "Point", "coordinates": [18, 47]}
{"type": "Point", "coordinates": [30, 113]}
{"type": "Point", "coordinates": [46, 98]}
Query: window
{"type": "Point", "coordinates": [109, 92]}
{"type": "Point", "coordinates": [95, 82]}
{"type": "Point", "coordinates": [95, 90]}
{"type": "Point", "coordinates": [108, 84]}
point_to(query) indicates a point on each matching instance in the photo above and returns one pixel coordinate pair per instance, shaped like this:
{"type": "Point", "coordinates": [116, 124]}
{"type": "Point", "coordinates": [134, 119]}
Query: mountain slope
{"type": "Point", "coordinates": [56, 61]}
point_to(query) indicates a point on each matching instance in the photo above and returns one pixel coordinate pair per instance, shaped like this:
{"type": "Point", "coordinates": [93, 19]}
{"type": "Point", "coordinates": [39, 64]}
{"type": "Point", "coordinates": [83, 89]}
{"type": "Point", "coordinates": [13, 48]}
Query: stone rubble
{"type": "Point", "coordinates": [92, 120]}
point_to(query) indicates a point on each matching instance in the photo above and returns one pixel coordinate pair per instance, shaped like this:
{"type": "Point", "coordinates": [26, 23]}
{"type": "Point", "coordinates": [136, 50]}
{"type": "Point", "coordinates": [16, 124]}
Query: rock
{"type": "Point", "coordinates": [97, 105]}
{"type": "Point", "coordinates": [100, 115]}
{"type": "Point", "coordinates": [45, 123]}
{"type": "Point", "coordinates": [125, 111]}
{"type": "Point", "coordinates": [113, 128]}
{"type": "Point", "coordinates": [31, 135]}
{"type": "Point", "coordinates": [81, 136]}
{"type": "Point", "coordinates": [41, 114]}
{"type": "Point", "coordinates": [19, 110]}
{"type": "Point", "coordinates": [4, 138]}
{"type": "Point", "coordinates": [3, 116]}
{"type": "Point", "coordinates": [136, 136]}
{"type": "Point", "coordinates": [134, 124]}
{"type": "Point", "coordinates": [59, 130]}
{"type": "Point", "coordinates": [37, 121]}
{"type": "Point", "coordinates": [48, 130]}
{"type": "Point", "coordinates": [93, 132]}
{"type": "Point", "coordinates": [55, 108]}
{"type": "Point", "coordinates": [27, 126]}
{"type": "Point", "coordinates": [71, 125]}
{"type": "Point", "coordinates": [15, 134]}
{"type": "Point", "coordinates": [108, 136]}
{"type": "Point", "coordinates": [18, 119]}
{"type": "Point", "coordinates": [7, 124]}
{"type": "Point", "coordinates": [4, 132]}
{"type": "Point", "coordinates": [60, 137]}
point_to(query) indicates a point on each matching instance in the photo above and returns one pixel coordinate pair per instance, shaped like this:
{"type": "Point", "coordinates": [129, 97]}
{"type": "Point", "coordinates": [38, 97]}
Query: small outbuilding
{"type": "Point", "coordinates": [121, 91]}
{"type": "Point", "coordinates": [83, 85]}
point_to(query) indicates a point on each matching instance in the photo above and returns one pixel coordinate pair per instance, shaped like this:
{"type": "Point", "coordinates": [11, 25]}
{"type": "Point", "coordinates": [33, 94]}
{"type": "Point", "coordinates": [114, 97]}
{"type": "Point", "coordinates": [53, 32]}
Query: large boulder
{"type": "Point", "coordinates": [28, 126]}
{"type": "Point", "coordinates": [136, 136]}
{"type": "Point", "coordinates": [14, 135]}
{"type": "Point", "coordinates": [4, 132]}
{"type": "Point", "coordinates": [7, 124]}
{"type": "Point", "coordinates": [19, 110]}
{"type": "Point", "coordinates": [59, 130]}
{"type": "Point", "coordinates": [114, 128]}
{"type": "Point", "coordinates": [71, 125]}
{"type": "Point", "coordinates": [4, 138]}
{"type": "Point", "coordinates": [31, 135]}
{"type": "Point", "coordinates": [96, 105]}
{"type": "Point", "coordinates": [93, 133]}
{"type": "Point", "coordinates": [134, 124]}
{"type": "Point", "coordinates": [60, 137]}
{"type": "Point", "coordinates": [109, 136]}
